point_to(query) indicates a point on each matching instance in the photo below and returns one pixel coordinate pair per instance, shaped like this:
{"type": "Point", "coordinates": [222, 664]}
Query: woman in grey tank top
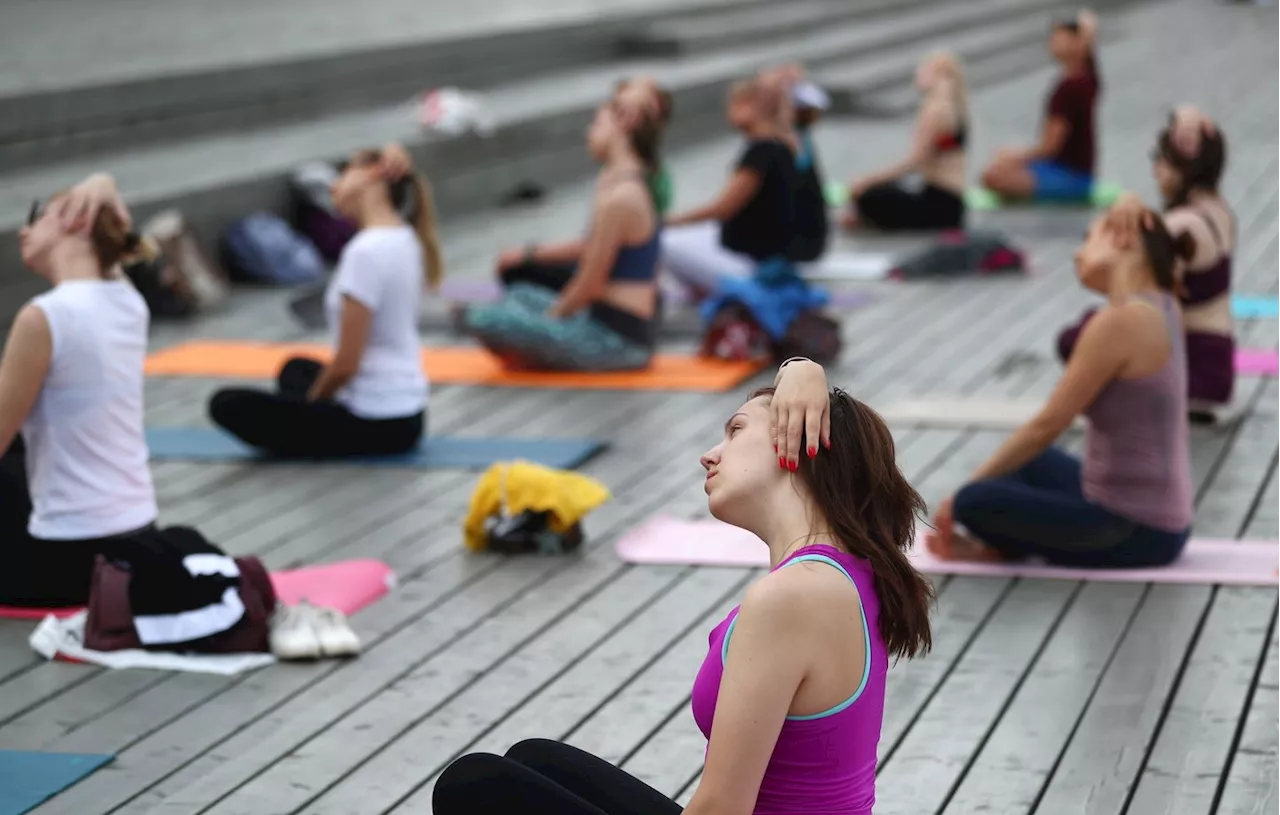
{"type": "Point", "coordinates": [1129, 502]}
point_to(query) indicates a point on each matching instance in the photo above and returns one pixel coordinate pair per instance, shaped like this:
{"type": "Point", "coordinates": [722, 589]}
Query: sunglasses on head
{"type": "Point", "coordinates": [36, 212]}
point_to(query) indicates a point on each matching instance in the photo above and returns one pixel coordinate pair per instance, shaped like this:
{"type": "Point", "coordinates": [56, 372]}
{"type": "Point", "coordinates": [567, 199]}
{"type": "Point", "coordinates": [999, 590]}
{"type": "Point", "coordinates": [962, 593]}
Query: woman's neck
{"type": "Point", "coordinates": [622, 161]}
{"type": "Point", "coordinates": [759, 131]}
{"type": "Point", "coordinates": [1130, 280]}
{"type": "Point", "coordinates": [69, 263]}
{"type": "Point", "coordinates": [791, 530]}
{"type": "Point", "coordinates": [379, 214]}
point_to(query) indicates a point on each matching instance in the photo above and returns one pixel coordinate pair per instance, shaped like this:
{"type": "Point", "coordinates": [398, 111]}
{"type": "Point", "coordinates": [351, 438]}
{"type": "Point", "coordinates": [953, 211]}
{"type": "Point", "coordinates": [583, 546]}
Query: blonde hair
{"type": "Point", "coordinates": [424, 226]}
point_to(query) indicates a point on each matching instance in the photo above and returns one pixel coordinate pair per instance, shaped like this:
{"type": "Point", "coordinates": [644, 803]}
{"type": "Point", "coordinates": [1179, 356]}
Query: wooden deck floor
{"type": "Point", "coordinates": [1040, 696]}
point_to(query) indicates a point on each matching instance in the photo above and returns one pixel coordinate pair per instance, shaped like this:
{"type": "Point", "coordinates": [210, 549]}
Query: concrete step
{"type": "Point", "coordinates": [42, 126]}
{"type": "Point", "coordinates": [216, 179]}
{"type": "Point", "coordinates": [731, 27]}
{"type": "Point", "coordinates": [850, 82]}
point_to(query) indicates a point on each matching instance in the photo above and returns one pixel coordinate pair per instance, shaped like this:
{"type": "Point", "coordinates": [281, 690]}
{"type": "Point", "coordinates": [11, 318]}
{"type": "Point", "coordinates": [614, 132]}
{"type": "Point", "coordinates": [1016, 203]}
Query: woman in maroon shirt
{"type": "Point", "coordinates": [1060, 167]}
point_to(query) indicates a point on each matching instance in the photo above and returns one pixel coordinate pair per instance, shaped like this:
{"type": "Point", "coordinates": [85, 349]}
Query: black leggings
{"type": "Point", "coordinates": [541, 777]}
{"type": "Point", "coordinates": [43, 573]}
{"type": "Point", "coordinates": [890, 206]}
{"type": "Point", "coordinates": [285, 424]}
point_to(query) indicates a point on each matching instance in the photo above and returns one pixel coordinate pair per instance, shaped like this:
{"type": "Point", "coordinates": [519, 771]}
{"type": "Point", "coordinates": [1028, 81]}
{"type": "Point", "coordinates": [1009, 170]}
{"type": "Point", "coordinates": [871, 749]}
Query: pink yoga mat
{"type": "Point", "coordinates": [665, 540]}
{"type": "Point", "coordinates": [1257, 362]}
{"type": "Point", "coordinates": [347, 586]}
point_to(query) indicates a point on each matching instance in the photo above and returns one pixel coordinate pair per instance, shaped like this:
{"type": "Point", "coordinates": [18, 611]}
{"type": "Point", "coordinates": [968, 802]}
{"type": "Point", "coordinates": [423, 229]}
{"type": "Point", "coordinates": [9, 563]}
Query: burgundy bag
{"type": "Point", "coordinates": [109, 626]}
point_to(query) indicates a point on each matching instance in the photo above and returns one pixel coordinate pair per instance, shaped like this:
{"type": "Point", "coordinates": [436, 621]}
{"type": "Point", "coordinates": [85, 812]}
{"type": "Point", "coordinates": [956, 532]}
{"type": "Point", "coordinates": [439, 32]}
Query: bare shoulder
{"type": "Point", "coordinates": [30, 323]}
{"type": "Point", "coordinates": [799, 591]}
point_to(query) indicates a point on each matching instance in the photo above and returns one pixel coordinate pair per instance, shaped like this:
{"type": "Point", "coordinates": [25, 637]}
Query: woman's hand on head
{"type": "Point", "coordinates": [396, 162]}
{"type": "Point", "coordinates": [800, 409]}
{"type": "Point", "coordinates": [1126, 220]}
{"type": "Point", "coordinates": [78, 209]}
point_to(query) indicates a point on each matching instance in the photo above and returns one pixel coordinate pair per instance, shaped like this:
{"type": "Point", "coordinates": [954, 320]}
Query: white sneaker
{"type": "Point", "coordinates": [292, 634]}
{"type": "Point", "coordinates": [331, 629]}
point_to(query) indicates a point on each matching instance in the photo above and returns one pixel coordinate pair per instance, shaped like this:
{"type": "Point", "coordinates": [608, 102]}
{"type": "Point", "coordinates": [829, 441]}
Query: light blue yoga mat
{"type": "Point", "coordinates": [208, 444]}
{"type": "Point", "coordinates": [28, 779]}
{"type": "Point", "coordinates": [1256, 307]}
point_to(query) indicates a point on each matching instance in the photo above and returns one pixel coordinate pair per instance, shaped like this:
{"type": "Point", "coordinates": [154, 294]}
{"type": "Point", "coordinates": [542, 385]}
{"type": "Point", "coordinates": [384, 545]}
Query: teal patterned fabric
{"type": "Point", "coordinates": [517, 327]}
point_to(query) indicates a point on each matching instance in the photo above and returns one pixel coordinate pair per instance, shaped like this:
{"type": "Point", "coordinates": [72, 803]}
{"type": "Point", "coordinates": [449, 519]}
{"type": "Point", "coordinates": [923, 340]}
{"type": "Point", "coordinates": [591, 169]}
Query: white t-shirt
{"type": "Point", "coordinates": [382, 268]}
{"type": "Point", "coordinates": [86, 451]}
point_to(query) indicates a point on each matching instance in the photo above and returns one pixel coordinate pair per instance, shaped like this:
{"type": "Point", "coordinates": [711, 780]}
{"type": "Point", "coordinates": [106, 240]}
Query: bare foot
{"type": "Point", "coordinates": [850, 222]}
{"type": "Point", "coordinates": [939, 543]}
{"type": "Point", "coordinates": [964, 547]}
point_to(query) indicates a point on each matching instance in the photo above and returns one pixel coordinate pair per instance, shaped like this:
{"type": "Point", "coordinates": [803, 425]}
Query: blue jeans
{"type": "Point", "coordinates": [1040, 511]}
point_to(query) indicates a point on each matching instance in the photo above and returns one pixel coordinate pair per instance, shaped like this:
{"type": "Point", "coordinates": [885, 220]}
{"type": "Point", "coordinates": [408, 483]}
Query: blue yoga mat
{"type": "Point", "coordinates": [1256, 307]}
{"type": "Point", "coordinates": [28, 779]}
{"type": "Point", "coordinates": [208, 444]}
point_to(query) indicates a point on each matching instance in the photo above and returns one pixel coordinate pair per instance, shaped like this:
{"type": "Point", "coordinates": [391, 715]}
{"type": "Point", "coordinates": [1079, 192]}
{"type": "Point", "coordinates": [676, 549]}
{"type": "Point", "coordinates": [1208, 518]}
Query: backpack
{"type": "Point", "coordinates": [313, 213]}
{"type": "Point", "coordinates": [182, 280]}
{"type": "Point", "coordinates": [959, 253]}
{"type": "Point", "coordinates": [735, 335]}
{"type": "Point", "coordinates": [262, 248]}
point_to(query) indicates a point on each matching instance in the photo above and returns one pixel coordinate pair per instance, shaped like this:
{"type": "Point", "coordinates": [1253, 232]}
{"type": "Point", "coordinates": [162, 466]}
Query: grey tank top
{"type": "Point", "coordinates": [1137, 460]}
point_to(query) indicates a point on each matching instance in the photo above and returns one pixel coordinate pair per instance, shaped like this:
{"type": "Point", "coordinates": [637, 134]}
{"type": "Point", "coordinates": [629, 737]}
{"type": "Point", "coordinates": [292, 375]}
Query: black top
{"type": "Point", "coordinates": [764, 228]}
{"type": "Point", "coordinates": [810, 238]}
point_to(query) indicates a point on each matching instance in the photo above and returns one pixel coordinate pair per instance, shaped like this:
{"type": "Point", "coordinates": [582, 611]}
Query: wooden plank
{"type": "Point", "coordinates": [1193, 748]}
{"type": "Point", "coordinates": [558, 706]}
{"type": "Point", "coordinates": [1232, 493]}
{"type": "Point", "coordinates": [952, 725]}
{"type": "Point", "coordinates": [1021, 752]}
{"type": "Point", "coordinates": [84, 701]}
{"type": "Point", "coordinates": [1108, 747]}
{"type": "Point", "coordinates": [1251, 786]}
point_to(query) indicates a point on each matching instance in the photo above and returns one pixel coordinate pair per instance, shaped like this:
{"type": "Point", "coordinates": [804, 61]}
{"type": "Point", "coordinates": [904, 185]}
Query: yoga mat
{"type": "Point", "coordinates": [209, 444]}
{"type": "Point", "coordinates": [962, 411]}
{"type": "Point", "coordinates": [665, 540]}
{"type": "Point", "coordinates": [980, 199]}
{"type": "Point", "coordinates": [27, 779]}
{"type": "Point", "coordinates": [837, 194]}
{"type": "Point", "coordinates": [1257, 362]}
{"type": "Point", "coordinates": [1255, 307]}
{"type": "Point", "coordinates": [347, 586]}
{"type": "Point", "coordinates": [454, 366]}
{"type": "Point", "coordinates": [849, 266]}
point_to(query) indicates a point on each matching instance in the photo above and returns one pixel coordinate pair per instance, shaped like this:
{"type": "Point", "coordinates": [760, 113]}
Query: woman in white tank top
{"type": "Point", "coordinates": [76, 482]}
{"type": "Point", "coordinates": [371, 398]}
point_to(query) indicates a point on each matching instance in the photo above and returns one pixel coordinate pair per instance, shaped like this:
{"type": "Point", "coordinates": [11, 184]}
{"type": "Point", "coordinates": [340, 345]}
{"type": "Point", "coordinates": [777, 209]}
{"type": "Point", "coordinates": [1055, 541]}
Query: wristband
{"type": "Point", "coordinates": [790, 360]}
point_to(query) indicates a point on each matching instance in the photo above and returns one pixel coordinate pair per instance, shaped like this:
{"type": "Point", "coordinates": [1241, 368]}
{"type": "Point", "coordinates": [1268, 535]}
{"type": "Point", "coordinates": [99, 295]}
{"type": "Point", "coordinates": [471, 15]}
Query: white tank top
{"type": "Point", "coordinates": [86, 452]}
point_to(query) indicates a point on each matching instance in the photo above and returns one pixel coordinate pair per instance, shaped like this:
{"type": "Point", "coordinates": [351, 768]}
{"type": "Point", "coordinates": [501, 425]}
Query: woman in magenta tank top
{"type": "Point", "coordinates": [791, 693]}
{"type": "Point", "coordinates": [1129, 502]}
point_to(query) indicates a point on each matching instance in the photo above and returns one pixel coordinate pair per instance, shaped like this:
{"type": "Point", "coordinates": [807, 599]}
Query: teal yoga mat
{"type": "Point", "coordinates": [28, 779]}
{"type": "Point", "coordinates": [1255, 307]}
{"type": "Point", "coordinates": [208, 444]}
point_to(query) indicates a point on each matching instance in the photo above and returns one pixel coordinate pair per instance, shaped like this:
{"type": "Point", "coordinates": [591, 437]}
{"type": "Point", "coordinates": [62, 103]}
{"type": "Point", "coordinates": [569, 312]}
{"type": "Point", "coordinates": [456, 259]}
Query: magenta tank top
{"type": "Point", "coordinates": [1137, 460]}
{"type": "Point", "coordinates": [823, 763]}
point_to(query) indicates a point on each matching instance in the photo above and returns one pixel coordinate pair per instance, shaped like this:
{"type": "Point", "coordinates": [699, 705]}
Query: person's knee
{"type": "Point", "coordinates": [224, 407]}
{"type": "Point", "coordinates": [530, 752]}
{"type": "Point", "coordinates": [970, 504]}
{"type": "Point", "coordinates": [453, 791]}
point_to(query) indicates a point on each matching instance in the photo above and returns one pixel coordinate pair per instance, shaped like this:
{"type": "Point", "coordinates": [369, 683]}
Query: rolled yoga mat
{"type": "Point", "coordinates": [454, 366]}
{"type": "Point", "coordinates": [1104, 194]}
{"type": "Point", "coordinates": [670, 541]}
{"type": "Point", "coordinates": [27, 779]}
{"type": "Point", "coordinates": [347, 585]}
{"type": "Point", "coordinates": [458, 452]}
{"type": "Point", "coordinates": [1257, 362]}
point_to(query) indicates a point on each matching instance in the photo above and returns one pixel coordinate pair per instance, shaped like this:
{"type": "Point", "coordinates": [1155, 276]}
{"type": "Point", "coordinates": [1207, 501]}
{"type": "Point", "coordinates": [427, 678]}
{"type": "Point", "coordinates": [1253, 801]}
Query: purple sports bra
{"type": "Point", "coordinates": [823, 763]}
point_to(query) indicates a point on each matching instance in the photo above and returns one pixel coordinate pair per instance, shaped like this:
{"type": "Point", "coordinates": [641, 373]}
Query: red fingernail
{"type": "Point", "coordinates": [826, 443]}
{"type": "Point", "coordinates": [813, 451]}
{"type": "Point", "coordinates": [792, 465]}
{"type": "Point", "coordinates": [782, 462]}
{"type": "Point", "coordinates": [775, 448]}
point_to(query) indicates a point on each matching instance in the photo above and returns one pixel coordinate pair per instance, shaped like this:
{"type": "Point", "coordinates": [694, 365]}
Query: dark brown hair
{"type": "Point", "coordinates": [1202, 171]}
{"type": "Point", "coordinates": [1163, 251]}
{"type": "Point", "coordinates": [412, 197]}
{"type": "Point", "coordinates": [871, 510]}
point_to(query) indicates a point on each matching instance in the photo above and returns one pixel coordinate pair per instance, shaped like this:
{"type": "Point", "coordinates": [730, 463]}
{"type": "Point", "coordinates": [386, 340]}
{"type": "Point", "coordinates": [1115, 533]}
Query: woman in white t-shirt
{"type": "Point", "coordinates": [75, 484]}
{"type": "Point", "coordinates": [371, 398]}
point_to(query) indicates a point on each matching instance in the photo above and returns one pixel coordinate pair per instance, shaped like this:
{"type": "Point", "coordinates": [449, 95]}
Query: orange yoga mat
{"type": "Point", "coordinates": [453, 366]}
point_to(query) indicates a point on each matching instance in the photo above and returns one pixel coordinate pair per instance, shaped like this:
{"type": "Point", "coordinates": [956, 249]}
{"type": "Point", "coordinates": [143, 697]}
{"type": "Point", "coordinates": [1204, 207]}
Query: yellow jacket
{"type": "Point", "coordinates": [516, 486]}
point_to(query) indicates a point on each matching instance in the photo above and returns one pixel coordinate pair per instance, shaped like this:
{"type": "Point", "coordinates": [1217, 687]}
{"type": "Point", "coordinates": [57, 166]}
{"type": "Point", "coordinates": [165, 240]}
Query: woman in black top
{"type": "Point", "coordinates": [753, 219]}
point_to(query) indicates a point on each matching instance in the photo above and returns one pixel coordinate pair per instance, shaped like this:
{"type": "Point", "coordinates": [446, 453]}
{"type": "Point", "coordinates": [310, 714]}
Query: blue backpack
{"type": "Point", "coordinates": [262, 248]}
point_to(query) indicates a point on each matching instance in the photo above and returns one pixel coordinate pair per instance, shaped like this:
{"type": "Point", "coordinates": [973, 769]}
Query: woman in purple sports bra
{"type": "Point", "coordinates": [1187, 162]}
{"type": "Point", "coordinates": [1129, 502]}
{"type": "Point", "coordinates": [791, 692]}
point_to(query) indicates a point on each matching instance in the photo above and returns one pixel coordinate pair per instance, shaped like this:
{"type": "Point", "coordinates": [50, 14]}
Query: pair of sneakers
{"type": "Point", "coordinates": [306, 631]}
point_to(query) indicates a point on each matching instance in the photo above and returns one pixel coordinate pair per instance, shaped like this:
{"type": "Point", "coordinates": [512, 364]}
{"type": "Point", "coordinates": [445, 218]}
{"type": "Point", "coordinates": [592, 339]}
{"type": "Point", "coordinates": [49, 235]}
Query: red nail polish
{"type": "Point", "coordinates": [813, 451]}
{"type": "Point", "coordinates": [782, 462]}
{"type": "Point", "coordinates": [792, 465]}
{"type": "Point", "coordinates": [827, 443]}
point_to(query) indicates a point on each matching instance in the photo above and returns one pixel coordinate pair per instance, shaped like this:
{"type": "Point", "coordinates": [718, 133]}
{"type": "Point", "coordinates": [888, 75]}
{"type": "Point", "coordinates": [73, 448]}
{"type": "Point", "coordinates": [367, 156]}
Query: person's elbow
{"type": "Point", "coordinates": [708, 801]}
{"type": "Point", "coordinates": [1047, 426]}
{"type": "Point", "coordinates": [344, 367]}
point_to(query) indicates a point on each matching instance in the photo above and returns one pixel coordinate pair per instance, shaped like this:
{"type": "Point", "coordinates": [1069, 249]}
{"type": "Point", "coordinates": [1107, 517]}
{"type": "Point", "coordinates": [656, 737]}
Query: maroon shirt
{"type": "Point", "coordinates": [1074, 100]}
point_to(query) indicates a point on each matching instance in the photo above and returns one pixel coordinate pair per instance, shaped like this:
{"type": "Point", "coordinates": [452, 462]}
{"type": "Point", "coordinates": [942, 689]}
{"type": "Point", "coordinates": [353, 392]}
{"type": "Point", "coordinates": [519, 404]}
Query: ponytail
{"type": "Point", "coordinates": [114, 243]}
{"type": "Point", "coordinates": [424, 225]}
